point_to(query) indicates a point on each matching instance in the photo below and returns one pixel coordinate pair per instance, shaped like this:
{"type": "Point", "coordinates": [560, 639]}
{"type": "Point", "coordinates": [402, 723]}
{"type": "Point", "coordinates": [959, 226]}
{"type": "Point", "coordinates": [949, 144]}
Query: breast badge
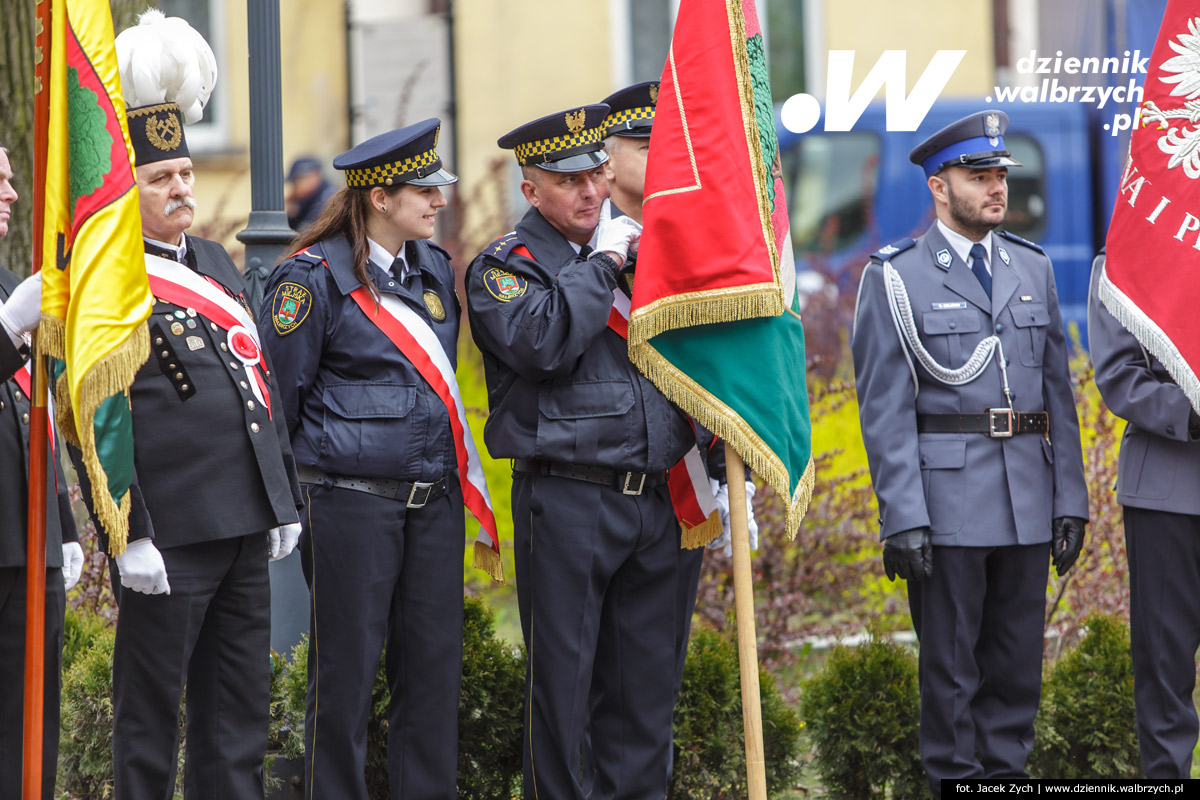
{"type": "Point", "coordinates": [290, 307]}
{"type": "Point", "coordinates": [434, 304]}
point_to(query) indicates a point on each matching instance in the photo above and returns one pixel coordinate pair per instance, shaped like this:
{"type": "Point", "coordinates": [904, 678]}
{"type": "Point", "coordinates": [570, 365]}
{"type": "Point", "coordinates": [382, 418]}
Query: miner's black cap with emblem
{"type": "Point", "coordinates": [406, 155]}
{"type": "Point", "coordinates": [631, 110]}
{"type": "Point", "coordinates": [156, 132]}
{"type": "Point", "coordinates": [569, 141]}
{"type": "Point", "coordinates": [974, 142]}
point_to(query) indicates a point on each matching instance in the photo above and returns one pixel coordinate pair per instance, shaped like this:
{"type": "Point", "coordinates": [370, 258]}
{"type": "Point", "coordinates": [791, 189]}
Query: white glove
{"type": "Point", "coordinates": [142, 568]}
{"type": "Point", "coordinates": [22, 311]}
{"type": "Point", "coordinates": [617, 236]}
{"type": "Point", "coordinates": [723, 541]}
{"type": "Point", "coordinates": [282, 540]}
{"type": "Point", "coordinates": [72, 564]}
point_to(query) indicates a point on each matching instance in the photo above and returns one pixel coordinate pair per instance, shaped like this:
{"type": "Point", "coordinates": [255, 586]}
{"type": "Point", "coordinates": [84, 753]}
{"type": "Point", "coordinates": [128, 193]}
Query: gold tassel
{"type": "Point", "coordinates": [705, 308]}
{"type": "Point", "coordinates": [488, 560]}
{"type": "Point", "coordinates": [700, 535]}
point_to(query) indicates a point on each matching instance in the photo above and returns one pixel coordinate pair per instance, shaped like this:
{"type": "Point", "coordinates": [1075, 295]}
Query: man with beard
{"type": "Point", "coordinates": [214, 492]}
{"type": "Point", "coordinates": [973, 443]}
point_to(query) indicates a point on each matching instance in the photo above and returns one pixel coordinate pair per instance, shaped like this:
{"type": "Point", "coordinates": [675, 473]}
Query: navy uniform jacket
{"type": "Point", "coordinates": [971, 490]}
{"type": "Point", "coordinates": [561, 386]}
{"type": "Point", "coordinates": [14, 456]}
{"type": "Point", "coordinates": [354, 404]}
{"type": "Point", "coordinates": [1159, 466]}
{"type": "Point", "coordinates": [209, 463]}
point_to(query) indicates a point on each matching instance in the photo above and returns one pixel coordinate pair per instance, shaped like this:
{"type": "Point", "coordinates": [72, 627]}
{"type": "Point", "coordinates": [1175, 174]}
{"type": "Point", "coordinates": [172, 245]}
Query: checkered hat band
{"type": "Point", "coordinates": [367, 177]}
{"type": "Point", "coordinates": [529, 150]}
{"type": "Point", "coordinates": [628, 115]}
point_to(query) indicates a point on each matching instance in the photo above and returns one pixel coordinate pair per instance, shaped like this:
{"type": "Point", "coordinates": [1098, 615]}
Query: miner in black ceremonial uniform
{"type": "Point", "coordinates": [20, 311]}
{"type": "Point", "coordinates": [215, 494]}
{"type": "Point", "coordinates": [591, 440]}
{"type": "Point", "coordinates": [383, 547]}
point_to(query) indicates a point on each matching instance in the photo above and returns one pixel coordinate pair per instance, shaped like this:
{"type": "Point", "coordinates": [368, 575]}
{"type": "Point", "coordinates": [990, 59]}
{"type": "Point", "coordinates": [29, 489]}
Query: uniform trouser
{"type": "Point", "coordinates": [980, 620]}
{"type": "Point", "coordinates": [380, 572]}
{"type": "Point", "coordinates": [213, 631]}
{"type": "Point", "coordinates": [1164, 582]}
{"type": "Point", "coordinates": [596, 581]}
{"type": "Point", "coordinates": [12, 686]}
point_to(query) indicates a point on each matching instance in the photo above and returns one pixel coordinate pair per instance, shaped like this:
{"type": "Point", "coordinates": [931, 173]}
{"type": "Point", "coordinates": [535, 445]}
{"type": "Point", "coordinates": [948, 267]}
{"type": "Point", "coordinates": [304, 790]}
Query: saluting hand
{"type": "Point", "coordinates": [908, 554]}
{"type": "Point", "coordinates": [1066, 542]}
{"type": "Point", "coordinates": [142, 568]}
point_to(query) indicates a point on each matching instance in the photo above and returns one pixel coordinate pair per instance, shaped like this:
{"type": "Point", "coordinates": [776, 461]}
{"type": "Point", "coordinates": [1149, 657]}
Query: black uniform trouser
{"type": "Point", "coordinates": [1164, 582]}
{"type": "Point", "coordinates": [213, 631]}
{"type": "Point", "coordinates": [12, 686]}
{"type": "Point", "coordinates": [380, 572]}
{"type": "Point", "coordinates": [596, 582]}
{"type": "Point", "coordinates": [980, 619]}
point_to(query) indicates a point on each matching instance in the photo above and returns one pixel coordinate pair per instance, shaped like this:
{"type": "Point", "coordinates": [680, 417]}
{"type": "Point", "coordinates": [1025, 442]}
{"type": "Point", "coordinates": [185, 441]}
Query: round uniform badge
{"type": "Point", "coordinates": [176, 328]}
{"type": "Point", "coordinates": [504, 286]}
{"type": "Point", "coordinates": [434, 304]}
{"type": "Point", "coordinates": [289, 307]}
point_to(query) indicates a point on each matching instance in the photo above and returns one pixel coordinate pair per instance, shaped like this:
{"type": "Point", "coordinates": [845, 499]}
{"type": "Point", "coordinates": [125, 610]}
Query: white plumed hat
{"type": "Point", "coordinates": [165, 60]}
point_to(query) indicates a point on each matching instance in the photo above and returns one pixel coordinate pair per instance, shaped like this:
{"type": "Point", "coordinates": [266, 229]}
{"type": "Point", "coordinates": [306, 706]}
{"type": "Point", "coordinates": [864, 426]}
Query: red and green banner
{"type": "Point", "coordinates": [95, 295]}
{"type": "Point", "coordinates": [715, 320]}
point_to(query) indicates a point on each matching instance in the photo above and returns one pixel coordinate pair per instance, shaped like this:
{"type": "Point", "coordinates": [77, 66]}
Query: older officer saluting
{"type": "Point", "coordinates": [591, 440]}
{"type": "Point", "coordinates": [973, 442]}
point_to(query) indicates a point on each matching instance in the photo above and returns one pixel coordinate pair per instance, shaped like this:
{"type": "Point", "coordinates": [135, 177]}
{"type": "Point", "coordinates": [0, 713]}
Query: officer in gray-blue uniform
{"type": "Point", "coordinates": [382, 548]}
{"type": "Point", "coordinates": [591, 440]}
{"type": "Point", "coordinates": [973, 443]}
{"type": "Point", "coordinates": [1157, 476]}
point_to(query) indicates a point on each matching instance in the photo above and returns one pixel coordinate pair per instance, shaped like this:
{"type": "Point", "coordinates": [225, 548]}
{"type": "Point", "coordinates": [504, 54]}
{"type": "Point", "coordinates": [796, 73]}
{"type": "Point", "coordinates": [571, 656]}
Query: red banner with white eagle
{"type": "Point", "coordinates": [1151, 280]}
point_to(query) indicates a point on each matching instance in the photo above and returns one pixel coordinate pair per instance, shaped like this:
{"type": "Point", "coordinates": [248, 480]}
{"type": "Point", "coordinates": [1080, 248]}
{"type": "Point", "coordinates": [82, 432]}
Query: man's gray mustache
{"type": "Point", "coordinates": [175, 204]}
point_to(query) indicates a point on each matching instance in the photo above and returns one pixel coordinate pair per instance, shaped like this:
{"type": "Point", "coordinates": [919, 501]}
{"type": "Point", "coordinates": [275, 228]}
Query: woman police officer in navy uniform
{"type": "Point", "coordinates": [382, 548]}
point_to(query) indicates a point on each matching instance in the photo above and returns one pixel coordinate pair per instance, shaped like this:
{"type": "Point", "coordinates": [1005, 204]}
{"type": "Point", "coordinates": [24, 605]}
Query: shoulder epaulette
{"type": "Point", "coordinates": [887, 251]}
{"type": "Point", "coordinates": [310, 256]}
{"type": "Point", "coordinates": [500, 248]}
{"type": "Point", "coordinates": [1014, 238]}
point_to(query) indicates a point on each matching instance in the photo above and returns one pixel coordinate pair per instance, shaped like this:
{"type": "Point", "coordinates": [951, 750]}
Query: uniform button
{"type": "Point", "coordinates": [999, 328]}
{"type": "Point", "coordinates": [233, 365]}
{"type": "Point", "coordinates": [268, 372]}
{"type": "Point", "coordinates": [250, 404]}
{"type": "Point", "coordinates": [171, 366]}
{"type": "Point", "coordinates": [1170, 430]}
{"type": "Point", "coordinates": [1, 405]}
{"type": "Point", "coordinates": [178, 376]}
{"type": "Point", "coordinates": [184, 387]}
{"type": "Point", "coordinates": [953, 325]}
{"type": "Point", "coordinates": [1007, 362]}
{"type": "Point", "coordinates": [244, 384]}
{"type": "Point", "coordinates": [165, 354]}
{"type": "Point", "coordinates": [213, 325]}
{"type": "Point", "coordinates": [25, 418]}
{"type": "Point", "coordinates": [158, 340]}
{"type": "Point", "coordinates": [224, 347]}
{"type": "Point", "coordinates": [17, 395]}
{"type": "Point", "coordinates": [254, 427]}
{"type": "Point", "coordinates": [922, 461]}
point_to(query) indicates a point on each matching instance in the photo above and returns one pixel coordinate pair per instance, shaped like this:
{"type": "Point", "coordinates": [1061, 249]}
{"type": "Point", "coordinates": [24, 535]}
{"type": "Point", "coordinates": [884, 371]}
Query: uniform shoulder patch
{"type": "Point", "coordinates": [1014, 238]}
{"type": "Point", "coordinates": [289, 307]}
{"type": "Point", "coordinates": [503, 285]}
{"type": "Point", "coordinates": [500, 248]}
{"type": "Point", "coordinates": [887, 251]}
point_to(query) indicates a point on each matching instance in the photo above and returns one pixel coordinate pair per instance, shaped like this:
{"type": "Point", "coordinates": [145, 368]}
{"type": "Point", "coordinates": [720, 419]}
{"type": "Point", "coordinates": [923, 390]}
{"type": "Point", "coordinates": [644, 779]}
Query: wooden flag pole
{"type": "Point", "coordinates": [35, 560]}
{"type": "Point", "coordinates": [743, 591]}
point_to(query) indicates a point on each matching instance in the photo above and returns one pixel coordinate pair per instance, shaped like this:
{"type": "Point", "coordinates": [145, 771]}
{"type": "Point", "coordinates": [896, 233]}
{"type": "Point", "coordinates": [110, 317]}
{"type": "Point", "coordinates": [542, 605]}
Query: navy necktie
{"type": "Point", "coordinates": [585, 251]}
{"type": "Point", "coordinates": [979, 267]}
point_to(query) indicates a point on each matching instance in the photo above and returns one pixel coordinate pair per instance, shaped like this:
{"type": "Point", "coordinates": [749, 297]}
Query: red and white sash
{"type": "Point", "coordinates": [413, 337]}
{"type": "Point", "coordinates": [177, 284]}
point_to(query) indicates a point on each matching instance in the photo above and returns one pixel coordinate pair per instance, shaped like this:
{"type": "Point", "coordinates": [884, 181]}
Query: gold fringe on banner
{"type": "Point", "coordinates": [700, 535]}
{"type": "Point", "coordinates": [704, 308]}
{"type": "Point", "coordinates": [488, 560]}
{"type": "Point", "coordinates": [723, 421]}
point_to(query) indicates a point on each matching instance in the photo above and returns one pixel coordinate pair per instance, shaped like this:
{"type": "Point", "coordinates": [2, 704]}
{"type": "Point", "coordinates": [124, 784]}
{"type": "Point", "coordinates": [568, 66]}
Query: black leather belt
{"type": "Point", "coordinates": [998, 423]}
{"type": "Point", "coordinates": [625, 482]}
{"type": "Point", "coordinates": [414, 494]}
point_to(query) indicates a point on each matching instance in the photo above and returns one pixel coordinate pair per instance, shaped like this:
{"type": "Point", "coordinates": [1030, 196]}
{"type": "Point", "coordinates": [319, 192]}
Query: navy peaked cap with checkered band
{"type": "Point", "coordinates": [406, 155]}
{"type": "Point", "coordinates": [631, 110]}
{"type": "Point", "coordinates": [569, 141]}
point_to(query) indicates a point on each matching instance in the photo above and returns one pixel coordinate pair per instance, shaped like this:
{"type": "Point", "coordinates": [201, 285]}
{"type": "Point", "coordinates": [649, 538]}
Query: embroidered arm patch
{"type": "Point", "coordinates": [290, 307]}
{"type": "Point", "coordinates": [503, 286]}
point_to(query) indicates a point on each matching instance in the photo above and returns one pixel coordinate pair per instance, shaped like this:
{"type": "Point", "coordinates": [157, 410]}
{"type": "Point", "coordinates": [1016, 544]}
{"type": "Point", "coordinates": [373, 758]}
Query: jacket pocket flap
{"type": "Point", "coordinates": [950, 454]}
{"type": "Point", "coordinates": [584, 399]}
{"type": "Point", "coordinates": [964, 320]}
{"type": "Point", "coordinates": [1030, 315]}
{"type": "Point", "coordinates": [374, 400]}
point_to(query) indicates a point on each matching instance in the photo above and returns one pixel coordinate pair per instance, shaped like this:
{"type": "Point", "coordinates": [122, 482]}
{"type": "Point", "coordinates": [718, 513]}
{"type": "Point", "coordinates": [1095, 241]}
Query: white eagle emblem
{"type": "Point", "coordinates": [1182, 144]}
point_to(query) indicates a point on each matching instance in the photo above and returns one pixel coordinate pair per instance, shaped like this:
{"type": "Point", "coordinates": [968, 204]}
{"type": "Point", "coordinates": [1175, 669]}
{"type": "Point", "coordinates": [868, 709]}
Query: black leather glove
{"type": "Point", "coordinates": [908, 554]}
{"type": "Point", "coordinates": [1066, 542]}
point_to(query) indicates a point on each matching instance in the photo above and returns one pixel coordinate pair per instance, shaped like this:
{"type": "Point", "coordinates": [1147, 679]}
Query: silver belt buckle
{"type": "Point", "coordinates": [631, 491]}
{"type": "Point", "coordinates": [412, 494]}
{"type": "Point", "coordinates": [1000, 423]}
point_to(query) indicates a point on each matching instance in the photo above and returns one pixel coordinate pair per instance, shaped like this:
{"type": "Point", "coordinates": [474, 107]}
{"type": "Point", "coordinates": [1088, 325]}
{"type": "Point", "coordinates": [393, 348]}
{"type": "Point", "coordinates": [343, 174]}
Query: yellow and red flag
{"type": "Point", "coordinates": [95, 295]}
